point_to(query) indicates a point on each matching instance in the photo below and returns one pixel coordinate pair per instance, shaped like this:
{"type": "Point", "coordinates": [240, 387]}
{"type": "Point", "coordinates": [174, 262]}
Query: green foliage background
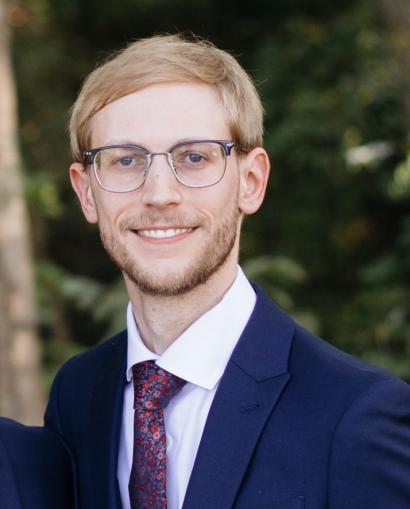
{"type": "Point", "coordinates": [331, 243]}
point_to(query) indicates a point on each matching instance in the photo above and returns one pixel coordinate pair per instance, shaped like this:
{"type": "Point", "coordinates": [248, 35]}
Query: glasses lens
{"type": "Point", "coordinates": [199, 164]}
{"type": "Point", "coordinates": [120, 169]}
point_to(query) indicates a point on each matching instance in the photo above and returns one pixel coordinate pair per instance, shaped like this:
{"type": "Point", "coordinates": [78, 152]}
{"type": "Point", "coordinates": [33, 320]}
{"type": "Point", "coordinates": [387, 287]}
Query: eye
{"type": "Point", "coordinates": [127, 161]}
{"type": "Point", "coordinates": [194, 157]}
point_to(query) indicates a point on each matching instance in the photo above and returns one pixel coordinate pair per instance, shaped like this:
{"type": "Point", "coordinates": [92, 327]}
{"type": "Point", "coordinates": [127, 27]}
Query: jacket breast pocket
{"type": "Point", "coordinates": [288, 503]}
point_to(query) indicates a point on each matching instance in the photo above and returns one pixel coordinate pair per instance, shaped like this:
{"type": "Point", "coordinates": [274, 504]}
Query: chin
{"type": "Point", "coordinates": [170, 285]}
{"type": "Point", "coordinates": [169, 282]}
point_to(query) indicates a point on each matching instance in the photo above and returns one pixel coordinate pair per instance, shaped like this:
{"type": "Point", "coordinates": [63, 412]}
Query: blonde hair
{"type": "Point", "coordinates": [170, 58]}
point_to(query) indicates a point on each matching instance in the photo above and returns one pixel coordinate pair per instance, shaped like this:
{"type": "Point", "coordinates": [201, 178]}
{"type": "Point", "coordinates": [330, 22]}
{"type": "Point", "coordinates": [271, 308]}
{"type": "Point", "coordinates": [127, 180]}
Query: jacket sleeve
{"type": "Point", "coordinates": [9, 496]}
{"type": "Point", "coordinates": [370, 460]}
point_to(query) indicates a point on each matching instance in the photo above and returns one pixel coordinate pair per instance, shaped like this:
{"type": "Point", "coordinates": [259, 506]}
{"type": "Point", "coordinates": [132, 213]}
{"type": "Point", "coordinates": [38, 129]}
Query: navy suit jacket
{"type": "Point", "coordinates": [35, 469]}
{"type": "Point", "coordinates": [295, 424]}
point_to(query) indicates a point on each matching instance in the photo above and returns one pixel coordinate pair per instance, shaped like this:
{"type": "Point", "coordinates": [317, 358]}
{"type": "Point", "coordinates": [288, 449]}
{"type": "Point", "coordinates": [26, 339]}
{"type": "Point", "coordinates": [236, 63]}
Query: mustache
{"type": "Point", "coordinates": [149, 219]}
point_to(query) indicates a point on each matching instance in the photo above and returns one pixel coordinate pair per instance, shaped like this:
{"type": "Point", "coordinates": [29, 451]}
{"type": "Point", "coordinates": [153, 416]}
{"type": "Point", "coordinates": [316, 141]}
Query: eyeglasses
{"type": "Point", "coordinates": [124, 168]}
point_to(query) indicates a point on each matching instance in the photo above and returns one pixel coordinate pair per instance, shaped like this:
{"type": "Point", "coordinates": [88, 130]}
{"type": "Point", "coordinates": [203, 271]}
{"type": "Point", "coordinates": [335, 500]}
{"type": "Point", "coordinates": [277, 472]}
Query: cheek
{"type": "Point", "coordinates": [111, 209]}
{"type": "Point", "coordinates": [207, 210]}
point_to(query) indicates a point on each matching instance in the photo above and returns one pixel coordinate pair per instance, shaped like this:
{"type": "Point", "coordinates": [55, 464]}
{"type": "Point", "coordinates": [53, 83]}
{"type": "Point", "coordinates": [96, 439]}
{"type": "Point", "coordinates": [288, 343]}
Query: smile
{"type": "Point", "coordinates": [163, 233]}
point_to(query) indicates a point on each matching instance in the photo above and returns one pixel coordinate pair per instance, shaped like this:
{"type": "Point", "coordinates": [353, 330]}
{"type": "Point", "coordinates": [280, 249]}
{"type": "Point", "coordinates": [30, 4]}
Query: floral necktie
{"type": "Point", "coordinates": [153, 389]}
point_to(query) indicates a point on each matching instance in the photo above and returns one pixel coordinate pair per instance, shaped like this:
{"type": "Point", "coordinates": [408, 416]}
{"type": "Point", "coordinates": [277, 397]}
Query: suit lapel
{"type": "Point", "coordinates": [252, 384]}
{"type": "Point", "coordinates": [105, 423]}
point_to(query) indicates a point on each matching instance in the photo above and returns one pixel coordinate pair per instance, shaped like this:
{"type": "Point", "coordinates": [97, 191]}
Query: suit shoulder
{"type": "Point", "coordinates": [16, 434]}
{"type": "Point", "coordinates": [33, 443]}
{"type": "Point", "coordinates": [76, 380]}
{"type": "Point", "coordinates": [324, 363]}
{"type": "Point", "coordinates": [310, 356]}
{"type": "Point", "coordinates": [13, 432]}
{"type": "Point", "coordinates": [92, 357]}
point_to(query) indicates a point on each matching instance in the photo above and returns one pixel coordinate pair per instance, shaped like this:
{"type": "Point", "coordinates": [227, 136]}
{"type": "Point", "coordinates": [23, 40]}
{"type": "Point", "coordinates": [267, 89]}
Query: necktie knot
{"type": "Point", "coordinates": [154, 386]}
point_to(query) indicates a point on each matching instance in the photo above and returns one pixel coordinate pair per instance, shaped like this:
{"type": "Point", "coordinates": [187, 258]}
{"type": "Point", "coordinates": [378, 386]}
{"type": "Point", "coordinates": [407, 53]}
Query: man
{"type": "Point", "coordinates": [35, 469]}
{"type": "Point", "coordinates": [213, 398]}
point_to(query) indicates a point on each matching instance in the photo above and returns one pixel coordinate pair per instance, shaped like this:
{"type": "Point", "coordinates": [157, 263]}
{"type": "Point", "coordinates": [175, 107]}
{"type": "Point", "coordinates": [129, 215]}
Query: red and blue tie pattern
{"type": "Point", "coordinates": [153, 389]}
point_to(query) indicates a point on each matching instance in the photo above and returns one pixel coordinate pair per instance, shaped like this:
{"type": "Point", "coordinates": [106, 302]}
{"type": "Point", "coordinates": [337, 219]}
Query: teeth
{"type": "Point", "coordinates": [163, 234]}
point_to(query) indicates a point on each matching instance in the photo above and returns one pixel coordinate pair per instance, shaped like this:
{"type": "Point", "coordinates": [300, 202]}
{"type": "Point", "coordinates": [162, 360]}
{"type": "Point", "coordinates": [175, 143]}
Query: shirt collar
{"type": "Point", "coordinates": [200, 354]}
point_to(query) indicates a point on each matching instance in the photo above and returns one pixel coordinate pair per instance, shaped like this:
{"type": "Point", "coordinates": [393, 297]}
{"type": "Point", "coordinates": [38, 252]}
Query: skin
{"type": "Point", "coordinates": [171, 281]}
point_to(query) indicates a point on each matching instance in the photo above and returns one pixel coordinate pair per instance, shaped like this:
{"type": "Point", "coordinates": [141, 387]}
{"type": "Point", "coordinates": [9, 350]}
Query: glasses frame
{"type": "Point", "coordinates": [89, 157]}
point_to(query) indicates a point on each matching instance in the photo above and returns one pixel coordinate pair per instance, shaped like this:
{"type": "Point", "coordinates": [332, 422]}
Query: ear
{"type": "Point", "coordinates": [254, 171]}
{"type": "Point", "coordinates": [81, 182]}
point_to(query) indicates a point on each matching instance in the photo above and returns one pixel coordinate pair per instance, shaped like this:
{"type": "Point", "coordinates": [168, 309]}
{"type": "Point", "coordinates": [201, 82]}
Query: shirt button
{"type": "Point", "coordinates": [169, 442]}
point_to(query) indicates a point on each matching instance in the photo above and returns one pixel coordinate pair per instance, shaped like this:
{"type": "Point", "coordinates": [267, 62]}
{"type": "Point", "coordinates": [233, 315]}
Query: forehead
{"type": "Point", "coordinates": [159, 115]}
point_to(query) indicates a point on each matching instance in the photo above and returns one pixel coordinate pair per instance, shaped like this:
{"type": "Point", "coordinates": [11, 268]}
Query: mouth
{"type": "Point", "coordinates": [163, 233]}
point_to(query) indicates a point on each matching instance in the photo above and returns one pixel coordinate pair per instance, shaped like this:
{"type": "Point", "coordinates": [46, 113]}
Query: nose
{"type": "Point", "coordinates": [161, 189]}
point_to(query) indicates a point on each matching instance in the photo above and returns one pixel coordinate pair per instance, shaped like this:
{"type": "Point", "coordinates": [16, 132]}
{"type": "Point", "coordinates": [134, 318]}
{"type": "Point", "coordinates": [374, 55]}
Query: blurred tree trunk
{"type": "Point", "coordinates": [397, 18]}
{"type": "Point", "coordinates": [20, 389]}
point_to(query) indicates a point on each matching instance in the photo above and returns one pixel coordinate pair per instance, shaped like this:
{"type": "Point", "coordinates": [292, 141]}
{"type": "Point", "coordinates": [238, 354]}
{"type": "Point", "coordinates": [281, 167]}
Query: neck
{"type": "Point", "coordinates": [161, 320]}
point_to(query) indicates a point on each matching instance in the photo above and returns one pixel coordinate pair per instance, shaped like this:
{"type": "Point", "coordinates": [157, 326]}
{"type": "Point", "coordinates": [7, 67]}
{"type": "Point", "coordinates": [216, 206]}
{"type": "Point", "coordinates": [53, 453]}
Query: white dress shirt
{"type": "Point", "coordinates": [199, 356]}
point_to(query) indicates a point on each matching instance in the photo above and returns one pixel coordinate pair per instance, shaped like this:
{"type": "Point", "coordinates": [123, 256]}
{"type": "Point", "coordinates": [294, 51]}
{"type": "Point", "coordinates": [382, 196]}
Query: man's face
{"type": "Point", "coordinates": [165, 237]}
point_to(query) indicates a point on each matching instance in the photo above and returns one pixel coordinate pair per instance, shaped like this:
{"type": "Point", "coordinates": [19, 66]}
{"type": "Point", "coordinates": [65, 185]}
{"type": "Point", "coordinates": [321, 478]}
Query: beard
{"type": "Point", "coordinates": [205, 262]}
